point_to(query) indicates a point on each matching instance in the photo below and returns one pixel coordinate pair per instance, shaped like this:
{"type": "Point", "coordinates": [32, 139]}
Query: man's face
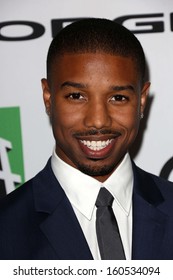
{"type": "Point", "coordinates": [94, 102]}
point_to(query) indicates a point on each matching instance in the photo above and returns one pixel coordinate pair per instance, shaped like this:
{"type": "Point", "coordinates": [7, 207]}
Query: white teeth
{"type": "Point", "coordinates": [96, 145]}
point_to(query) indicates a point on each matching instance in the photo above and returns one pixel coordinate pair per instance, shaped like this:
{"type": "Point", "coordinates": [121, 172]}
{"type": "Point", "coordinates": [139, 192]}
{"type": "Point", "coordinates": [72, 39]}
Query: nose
{"type": "Point", "coordinates": [97, 115]}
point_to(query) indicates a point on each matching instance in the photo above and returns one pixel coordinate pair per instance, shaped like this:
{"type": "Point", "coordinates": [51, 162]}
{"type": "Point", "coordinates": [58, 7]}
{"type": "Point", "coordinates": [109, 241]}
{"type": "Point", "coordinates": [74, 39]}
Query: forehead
{"type": "Point", "coordinates": [92, 66]}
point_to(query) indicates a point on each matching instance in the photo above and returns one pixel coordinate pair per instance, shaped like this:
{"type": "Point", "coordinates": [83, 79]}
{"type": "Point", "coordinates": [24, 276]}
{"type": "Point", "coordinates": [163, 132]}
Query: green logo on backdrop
{"type": "Point", "coordinates": [11, 154]}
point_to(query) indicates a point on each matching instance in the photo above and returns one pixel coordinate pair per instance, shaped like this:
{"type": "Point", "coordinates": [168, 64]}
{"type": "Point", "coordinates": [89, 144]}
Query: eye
{"type": "Point", "coordinates": [119, 98]}
{"type": "Point", "coordinates": [75, 96]}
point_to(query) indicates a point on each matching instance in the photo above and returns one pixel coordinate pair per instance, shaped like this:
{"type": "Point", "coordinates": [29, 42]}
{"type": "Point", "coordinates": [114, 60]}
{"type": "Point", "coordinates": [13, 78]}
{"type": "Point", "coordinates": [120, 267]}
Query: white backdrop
{"type": "Point", "coordinates": [23, 64]}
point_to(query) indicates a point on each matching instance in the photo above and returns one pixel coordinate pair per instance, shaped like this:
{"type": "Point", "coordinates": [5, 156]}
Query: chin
{"type": "Point", "coordinates": [95, 171]}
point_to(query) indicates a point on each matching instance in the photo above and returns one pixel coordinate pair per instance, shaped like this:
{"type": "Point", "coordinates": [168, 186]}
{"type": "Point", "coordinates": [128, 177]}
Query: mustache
{"type": "Point", "coordinates": [97, 132]}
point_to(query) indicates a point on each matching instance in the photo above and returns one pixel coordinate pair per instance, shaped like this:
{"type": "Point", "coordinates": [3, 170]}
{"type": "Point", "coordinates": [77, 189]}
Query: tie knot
{"type": "Point", "coordinates": [104, 198]}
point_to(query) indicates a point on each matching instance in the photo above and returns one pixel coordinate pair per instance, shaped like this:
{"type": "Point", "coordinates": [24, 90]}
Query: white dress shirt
{"type": "Point", "coordinates": [82, 191]}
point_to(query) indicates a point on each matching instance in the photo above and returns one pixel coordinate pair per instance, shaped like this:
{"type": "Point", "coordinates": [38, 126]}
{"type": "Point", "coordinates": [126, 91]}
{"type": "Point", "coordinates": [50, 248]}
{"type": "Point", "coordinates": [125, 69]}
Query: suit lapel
{"type": "Point", "coordinates": [149, 223]}
{"type": "Point", "coordinates": [60, 226]}
{"type": "Point", "coordinates": [64, 233]}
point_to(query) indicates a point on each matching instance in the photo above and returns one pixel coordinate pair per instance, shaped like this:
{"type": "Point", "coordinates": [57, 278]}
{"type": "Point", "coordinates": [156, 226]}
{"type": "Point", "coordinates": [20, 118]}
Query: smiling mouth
{"type": "Point", "coordinates": [98, 149]}
{"type": "Point", "coordinates": [96, 145]}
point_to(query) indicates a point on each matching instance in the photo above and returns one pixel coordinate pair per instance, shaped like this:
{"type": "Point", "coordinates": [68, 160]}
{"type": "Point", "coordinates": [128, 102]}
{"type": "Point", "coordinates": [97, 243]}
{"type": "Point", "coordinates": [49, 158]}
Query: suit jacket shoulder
{"type": "Point", "coordinates": [160, 187]}
{"type": "Point", "coordinates": [152, 217]}
{"type": "Point", "coordinates": [38, 222]}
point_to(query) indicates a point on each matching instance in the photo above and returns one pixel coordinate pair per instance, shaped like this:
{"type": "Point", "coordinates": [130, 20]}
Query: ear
{"type": "Point", "coordinates": [144, 95]}
{"type": "Point", "coordinates": [46, 96]}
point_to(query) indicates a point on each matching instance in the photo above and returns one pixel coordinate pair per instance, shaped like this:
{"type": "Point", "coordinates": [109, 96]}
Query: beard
{"type": "Point", "coordinates": [96, 170]}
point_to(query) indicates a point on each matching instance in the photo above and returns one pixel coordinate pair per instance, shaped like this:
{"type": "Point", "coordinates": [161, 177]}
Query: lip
{"type": "Point", "coordinates": [98, 154]}
{"type": "Point", "coordinates": [100, 136]}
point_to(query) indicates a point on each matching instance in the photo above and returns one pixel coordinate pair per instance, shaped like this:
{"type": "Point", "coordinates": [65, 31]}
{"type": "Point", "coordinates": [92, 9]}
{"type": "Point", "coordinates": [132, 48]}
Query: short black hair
{"type": "Point", "coordinates": [93, 35]}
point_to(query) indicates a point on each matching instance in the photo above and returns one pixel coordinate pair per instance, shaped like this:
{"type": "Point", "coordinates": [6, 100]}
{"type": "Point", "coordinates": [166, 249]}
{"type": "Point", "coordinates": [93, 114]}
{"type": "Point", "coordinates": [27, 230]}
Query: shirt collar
{"type": "Point", "coordinates": [120, 184]}
{"type": "Point", "coordinates": [82, 190]}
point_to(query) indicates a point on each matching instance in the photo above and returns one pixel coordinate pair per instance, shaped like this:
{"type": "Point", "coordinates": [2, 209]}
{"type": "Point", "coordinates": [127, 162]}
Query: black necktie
{"type": "Point", "coordinates": [108, 236]}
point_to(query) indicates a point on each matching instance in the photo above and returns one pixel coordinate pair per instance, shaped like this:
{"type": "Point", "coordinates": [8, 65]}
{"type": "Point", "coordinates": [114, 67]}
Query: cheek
{"type": "Point", "coordinates": [127, 118]}
{"type": "Point", "coordinates": [132, 125]}
{"type": "Point", "coordinates": [65, 120]}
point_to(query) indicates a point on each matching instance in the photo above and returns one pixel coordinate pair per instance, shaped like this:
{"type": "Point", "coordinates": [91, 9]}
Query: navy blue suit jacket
{"type": "Point", "coordinates": [38, 222]}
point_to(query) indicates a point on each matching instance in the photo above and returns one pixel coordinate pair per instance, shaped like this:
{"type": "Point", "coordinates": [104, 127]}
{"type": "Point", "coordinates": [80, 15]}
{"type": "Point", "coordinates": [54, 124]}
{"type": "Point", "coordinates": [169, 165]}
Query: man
{"type": "Point", "coordinates": [95, 94]}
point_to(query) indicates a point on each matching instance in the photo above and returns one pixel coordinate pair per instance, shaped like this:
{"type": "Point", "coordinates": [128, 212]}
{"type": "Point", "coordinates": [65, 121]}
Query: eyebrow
{"type": "Point", "coordinates": [121, 88]}
{"type": "Point", "coordinates": [82, 86]}
{"type": "Point", "coordinates": [73, 84]}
